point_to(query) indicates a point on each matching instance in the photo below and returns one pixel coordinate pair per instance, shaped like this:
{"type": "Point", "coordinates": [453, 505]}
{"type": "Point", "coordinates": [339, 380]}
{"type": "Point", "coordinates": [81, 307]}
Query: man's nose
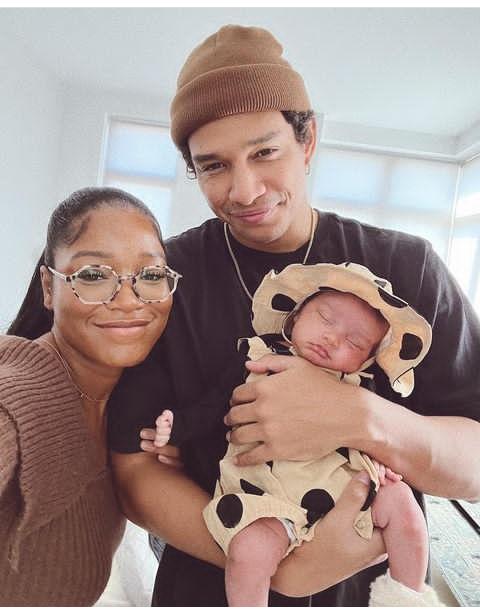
{"type": "Point", "coordinates": [246, 185]}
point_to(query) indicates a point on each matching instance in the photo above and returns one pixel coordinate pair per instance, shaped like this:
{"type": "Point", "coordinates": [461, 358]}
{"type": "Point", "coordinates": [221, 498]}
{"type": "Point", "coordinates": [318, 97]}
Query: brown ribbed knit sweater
{"type": "Point", "coordinates": [59, 520]}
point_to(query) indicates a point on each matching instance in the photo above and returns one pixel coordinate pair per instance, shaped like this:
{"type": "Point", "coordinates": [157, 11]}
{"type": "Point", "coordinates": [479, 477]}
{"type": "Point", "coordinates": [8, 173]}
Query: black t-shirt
{"type": "Point", "coordinates": [196, 362]}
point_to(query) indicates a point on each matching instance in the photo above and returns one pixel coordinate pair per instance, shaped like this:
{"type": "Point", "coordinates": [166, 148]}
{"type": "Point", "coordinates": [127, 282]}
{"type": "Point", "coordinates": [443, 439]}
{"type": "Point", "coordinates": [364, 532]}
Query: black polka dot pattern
{"type": "Point", "coordinates": [230, 510]}
{"type": "Point", "coordinates": [317, 502]}
{"type": "Point", "coordinates": [371, 496]}
{"type": "Point", "coordinates": [249, 488]}
{"type": "Point", "coordinates": [282, 302]}
{"type": "Point", "coordinates": [343, 451]}
{"type": "Point", "coordinates": [411, 346]}
{"type": "Point", "coordinates": [390, 299]}
{"type": "Point", "coordinates": [381, 283]}
{"type": "Point", "coordinates": [243, 348]}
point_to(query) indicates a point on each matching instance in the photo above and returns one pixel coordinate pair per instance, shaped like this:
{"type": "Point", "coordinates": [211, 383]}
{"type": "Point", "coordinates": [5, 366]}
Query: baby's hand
{"type": "Point", "coordinates": [385, 473]}
{"type": "Point", "coordinates": [163, 423]}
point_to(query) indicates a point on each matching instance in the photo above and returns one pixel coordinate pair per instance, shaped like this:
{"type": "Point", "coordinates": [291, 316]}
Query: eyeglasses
{"type": "Point", "coordinates": [99, 284]}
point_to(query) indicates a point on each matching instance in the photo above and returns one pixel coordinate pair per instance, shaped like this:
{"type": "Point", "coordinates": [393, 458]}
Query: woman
{"type": "Point", "coordinates": [99, 299]}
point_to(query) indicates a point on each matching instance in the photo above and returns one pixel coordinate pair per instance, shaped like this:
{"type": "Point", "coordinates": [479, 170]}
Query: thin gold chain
{"type": "Point", "coordinates": [235, 262]}
{"type": "Point", "coordinates": [68, 370]}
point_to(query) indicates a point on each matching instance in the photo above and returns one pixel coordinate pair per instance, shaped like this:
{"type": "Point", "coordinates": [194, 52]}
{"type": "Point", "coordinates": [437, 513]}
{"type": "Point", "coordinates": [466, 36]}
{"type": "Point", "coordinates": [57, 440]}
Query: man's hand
{"type": "Point", "coordinates": [336, 551]}
{"type": "Point", "coordinates": [300, 413]}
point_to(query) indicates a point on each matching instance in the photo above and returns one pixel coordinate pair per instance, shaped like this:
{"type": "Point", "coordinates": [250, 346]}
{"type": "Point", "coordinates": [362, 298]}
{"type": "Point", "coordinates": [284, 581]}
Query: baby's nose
{"type": "Point", "coordinates": [332, 338]}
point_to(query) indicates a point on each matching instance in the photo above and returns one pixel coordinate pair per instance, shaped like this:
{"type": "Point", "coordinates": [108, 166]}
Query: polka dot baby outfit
{"type": "Point", "coordinates": [301, 493]}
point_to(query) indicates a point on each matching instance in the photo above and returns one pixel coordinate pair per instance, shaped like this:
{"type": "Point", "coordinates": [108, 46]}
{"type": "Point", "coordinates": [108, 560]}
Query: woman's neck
{"type": "Point", "coordinates": [93, 381]}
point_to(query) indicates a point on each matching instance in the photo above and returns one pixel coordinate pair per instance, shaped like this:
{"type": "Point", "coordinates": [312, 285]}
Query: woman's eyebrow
{"type": "Point", "coordinates": [95, 253]}
{"type": "Point", "coordinates": [108, 255]}
{"type": "Point", "coordinates": [206, 157]}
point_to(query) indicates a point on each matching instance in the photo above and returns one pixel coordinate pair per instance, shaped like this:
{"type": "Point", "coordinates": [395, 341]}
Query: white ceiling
{"type": "Point", "coordinates": [409, 69]}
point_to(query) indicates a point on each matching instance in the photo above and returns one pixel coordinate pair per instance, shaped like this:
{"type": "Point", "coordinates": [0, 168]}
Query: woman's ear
{"type": "Point", "coordinates": [46, 278]}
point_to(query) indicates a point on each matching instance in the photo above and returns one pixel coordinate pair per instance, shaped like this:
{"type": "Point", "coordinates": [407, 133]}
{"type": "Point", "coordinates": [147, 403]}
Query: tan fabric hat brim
{"type": "Point", "coordinates": [410, 334]}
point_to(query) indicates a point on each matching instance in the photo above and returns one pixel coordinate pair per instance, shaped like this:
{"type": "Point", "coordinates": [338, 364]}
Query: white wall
{"type": "Point", "coordinates": [52, 145]}
{"type": "Point", "coordinates": [31, 102]}
{"type": "Point", "coordinates": [81, 147]}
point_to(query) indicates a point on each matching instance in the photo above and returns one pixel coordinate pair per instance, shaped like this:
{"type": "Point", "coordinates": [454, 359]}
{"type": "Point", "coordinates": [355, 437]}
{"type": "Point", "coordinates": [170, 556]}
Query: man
{"type": "Point", "coordinates": [242, 119]}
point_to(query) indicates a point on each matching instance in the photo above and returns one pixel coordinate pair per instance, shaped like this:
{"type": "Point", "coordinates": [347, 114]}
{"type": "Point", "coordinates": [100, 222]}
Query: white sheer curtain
{"type": "Point", "coordinates": [464, 257]}
{"type": "Point", "coordinates": [403, 193]}
{"type": "Point", "coordinates": [141, 159]}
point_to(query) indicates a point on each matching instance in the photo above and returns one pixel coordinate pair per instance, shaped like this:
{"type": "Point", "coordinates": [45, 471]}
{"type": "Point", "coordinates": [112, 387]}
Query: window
{"type": "Point", "coordinates": [407, 194]}
{"type": "Point", "coordinates": [141, 158]}
{"type": "Point", "coordinates": [464, 258]}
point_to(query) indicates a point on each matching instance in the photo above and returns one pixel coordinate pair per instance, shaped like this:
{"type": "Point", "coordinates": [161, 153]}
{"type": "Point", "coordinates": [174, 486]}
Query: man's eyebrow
{"type": "Point", "coordinates": [254, 142]}
{"type": "Point", "coordinates": [263, 139]}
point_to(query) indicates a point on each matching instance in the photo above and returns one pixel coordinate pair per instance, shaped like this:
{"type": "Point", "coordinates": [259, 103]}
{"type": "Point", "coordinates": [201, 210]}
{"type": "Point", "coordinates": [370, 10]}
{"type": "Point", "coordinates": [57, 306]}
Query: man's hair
{"type": "Point", "coordinates": [300, 122]}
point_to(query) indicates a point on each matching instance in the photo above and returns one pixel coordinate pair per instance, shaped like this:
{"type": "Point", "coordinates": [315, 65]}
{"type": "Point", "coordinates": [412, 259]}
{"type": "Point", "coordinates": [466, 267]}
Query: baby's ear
{"type": "Point", "coordinates": [46, 279]}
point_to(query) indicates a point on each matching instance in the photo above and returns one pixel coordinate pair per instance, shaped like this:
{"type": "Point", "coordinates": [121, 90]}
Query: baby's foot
{"type": "Point", "coordinates": [163, 423]}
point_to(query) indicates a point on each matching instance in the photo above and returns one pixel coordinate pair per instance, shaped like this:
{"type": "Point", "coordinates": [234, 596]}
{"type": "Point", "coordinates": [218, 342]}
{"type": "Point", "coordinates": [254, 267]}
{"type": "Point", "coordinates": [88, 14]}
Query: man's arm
{"type": "Point", "coordinates": [438, 455]}
{"type": "Point", "coordinates": [435, 454]}
{"type": "Point", "coordinates": [167, 503]}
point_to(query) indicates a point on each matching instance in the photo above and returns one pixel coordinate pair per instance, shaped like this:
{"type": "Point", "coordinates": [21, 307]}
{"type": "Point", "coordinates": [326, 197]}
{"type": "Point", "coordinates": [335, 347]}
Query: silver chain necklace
{"type": "Point", "coordinates": [235, 262]}
{"type": "Point", "coordinates": [68, 370]}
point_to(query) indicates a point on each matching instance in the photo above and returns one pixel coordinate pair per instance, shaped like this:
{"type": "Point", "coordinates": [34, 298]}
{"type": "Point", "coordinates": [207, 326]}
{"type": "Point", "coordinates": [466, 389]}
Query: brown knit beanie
{"type": "Point", "coordinates": [238, 69]}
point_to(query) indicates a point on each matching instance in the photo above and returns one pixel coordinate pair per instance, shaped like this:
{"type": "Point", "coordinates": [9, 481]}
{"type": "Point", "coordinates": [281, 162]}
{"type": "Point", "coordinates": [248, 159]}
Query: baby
{"type": "Point", "coordinates": [260, 513]}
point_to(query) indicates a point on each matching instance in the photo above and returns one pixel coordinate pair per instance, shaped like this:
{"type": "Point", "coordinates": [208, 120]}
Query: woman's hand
{"type": "Point", "coordinates": [336, 551]}
{"type": "Point", "coordinates": [168, 454]}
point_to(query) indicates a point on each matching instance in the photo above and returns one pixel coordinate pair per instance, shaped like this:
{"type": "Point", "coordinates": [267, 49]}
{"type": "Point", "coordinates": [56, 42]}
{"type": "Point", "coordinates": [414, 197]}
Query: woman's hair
{"type": "Point", "coordinates": [67, 223]}
{"type": "Point", "coordinates": [300, 122]}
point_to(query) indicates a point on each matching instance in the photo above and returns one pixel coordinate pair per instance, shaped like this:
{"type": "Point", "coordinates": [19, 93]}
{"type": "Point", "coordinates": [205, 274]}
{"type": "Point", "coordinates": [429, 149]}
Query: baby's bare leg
{"type": "Point", "coordinates": [253, 558]}
{"type": "Point", "coordinates": [398, 514]}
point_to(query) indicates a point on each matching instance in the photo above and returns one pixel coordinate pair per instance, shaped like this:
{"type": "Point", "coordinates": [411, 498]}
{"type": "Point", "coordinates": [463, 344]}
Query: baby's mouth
{"type": "Point", "coordinates": [320, 350]}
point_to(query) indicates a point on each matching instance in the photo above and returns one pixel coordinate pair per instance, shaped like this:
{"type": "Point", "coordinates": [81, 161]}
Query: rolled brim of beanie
{"type": "Point", "coordinates": [235, 90]}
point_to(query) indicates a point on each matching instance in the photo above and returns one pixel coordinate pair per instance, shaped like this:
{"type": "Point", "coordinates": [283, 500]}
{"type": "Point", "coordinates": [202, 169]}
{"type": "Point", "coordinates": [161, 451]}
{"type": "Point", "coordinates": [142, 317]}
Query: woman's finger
{"type": "Point", "coordinates": [170, 461]}
{"type": "Point", "coordinates": [148, 446]}
{"type": "Point", "coordinates": [148, 434]}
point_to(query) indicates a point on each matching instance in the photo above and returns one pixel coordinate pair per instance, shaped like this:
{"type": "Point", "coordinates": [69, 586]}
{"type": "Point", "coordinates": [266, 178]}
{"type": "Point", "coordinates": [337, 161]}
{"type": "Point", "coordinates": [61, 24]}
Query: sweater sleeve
{"type": "Point", "coordinates": [9, 450]}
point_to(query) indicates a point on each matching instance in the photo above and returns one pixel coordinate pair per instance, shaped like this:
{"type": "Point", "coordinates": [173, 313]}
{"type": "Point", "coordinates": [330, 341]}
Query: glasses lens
{"type": "Point", "coordinates": [154, 283]}
{"type": "Point", "coordinates": [95, 284]}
